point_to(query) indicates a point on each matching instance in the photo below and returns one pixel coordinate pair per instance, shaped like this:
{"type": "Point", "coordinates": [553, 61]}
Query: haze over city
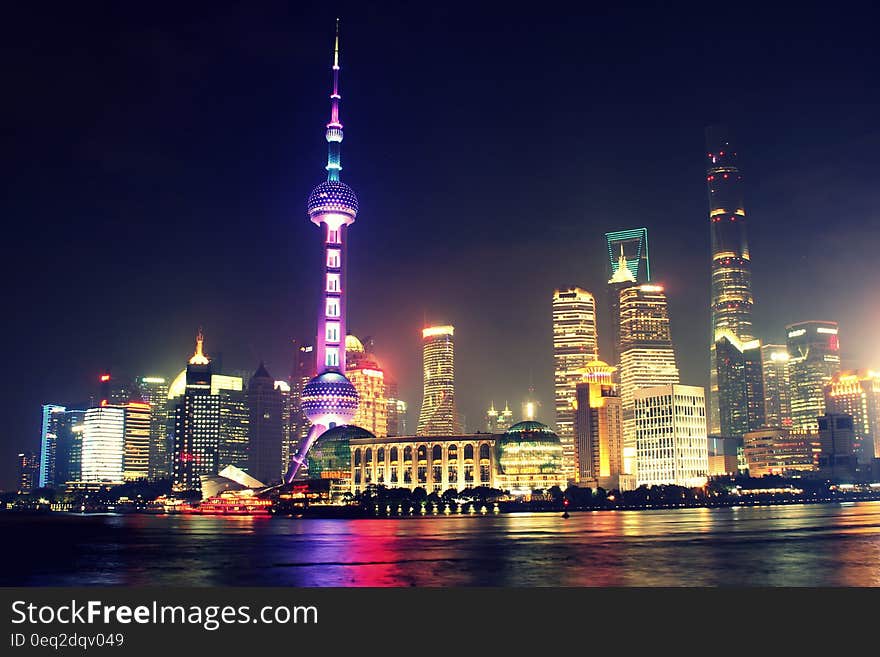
{"type": "Point", "coordinates": [158, 178]}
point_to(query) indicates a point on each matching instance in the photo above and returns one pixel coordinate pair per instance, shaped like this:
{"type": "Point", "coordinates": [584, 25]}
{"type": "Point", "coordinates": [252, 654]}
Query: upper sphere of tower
{"type": "Point", "coordinates": [333, 196]}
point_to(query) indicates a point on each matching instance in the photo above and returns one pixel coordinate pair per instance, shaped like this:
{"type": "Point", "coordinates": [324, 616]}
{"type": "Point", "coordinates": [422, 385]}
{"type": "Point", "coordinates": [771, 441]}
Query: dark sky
{"type": "Point", "coordinates": [158, 156]}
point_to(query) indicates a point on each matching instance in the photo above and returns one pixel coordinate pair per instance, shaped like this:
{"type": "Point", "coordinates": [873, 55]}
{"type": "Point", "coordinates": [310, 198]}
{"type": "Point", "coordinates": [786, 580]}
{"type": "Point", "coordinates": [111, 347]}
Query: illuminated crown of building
{"type": "Point", "coordinates": [199, 358]}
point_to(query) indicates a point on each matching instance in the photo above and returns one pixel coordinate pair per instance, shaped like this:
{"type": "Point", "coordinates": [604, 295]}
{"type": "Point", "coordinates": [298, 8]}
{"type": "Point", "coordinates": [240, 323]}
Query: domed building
{"type": "Point", "coordinates": [330, 457]}
{"type": "Point", "coordinates": [529, 457]}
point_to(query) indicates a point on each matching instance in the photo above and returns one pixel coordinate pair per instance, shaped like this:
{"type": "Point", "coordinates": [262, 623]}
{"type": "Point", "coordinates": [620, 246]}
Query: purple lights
{"type": "Point", "coordinates": [329, 399]}
{"type": "Point", "coordinates": [332, 197]}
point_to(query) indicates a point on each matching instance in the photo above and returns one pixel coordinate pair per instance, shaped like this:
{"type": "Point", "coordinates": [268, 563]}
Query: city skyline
{"type": "Point", "coordinates": [527, 351]}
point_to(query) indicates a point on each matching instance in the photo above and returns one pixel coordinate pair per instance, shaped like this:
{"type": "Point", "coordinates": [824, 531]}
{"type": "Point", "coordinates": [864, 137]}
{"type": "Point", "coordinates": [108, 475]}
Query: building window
{"type": "Point", "coordinates": [332, 307]}
{"type": "Point", "coordinates": [332, 235]}
{"type": "Point", "coordinates": [332, 357]}
{"type": "Point", "coordinates": [332, 332]}
{"type": "Point", "coordinates": [333, 258]}
{"type": "Point", "coordinates": [333, 282]}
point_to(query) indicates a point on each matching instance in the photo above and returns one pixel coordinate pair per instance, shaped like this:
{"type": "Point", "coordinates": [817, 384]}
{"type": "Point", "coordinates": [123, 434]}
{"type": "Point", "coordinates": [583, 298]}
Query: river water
{"type": "Point", "coordinates": [790, 545]}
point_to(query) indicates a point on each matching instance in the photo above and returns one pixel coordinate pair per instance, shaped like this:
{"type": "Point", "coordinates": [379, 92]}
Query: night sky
{"type": "Point", "coordinates": [158, 156]}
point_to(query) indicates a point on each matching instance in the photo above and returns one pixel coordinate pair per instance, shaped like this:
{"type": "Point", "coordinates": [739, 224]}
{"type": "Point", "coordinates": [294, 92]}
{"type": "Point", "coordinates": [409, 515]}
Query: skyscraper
{"type": "Point", "coordinates": [136, 444]}
{"type": "Point", "coordinates": [368, 378]}
{"type": "Point", "coordinates": [329, 399]}
{"type": "Point", "coordinates": [741, 399]}
{"type": "Point", "coordinates": [857, 393]}
{"type": "Point", "coordinates": [598, 428]}
{"type": "Point", "coordinates": [731, 298]}
{"type": "Point", "coordinates": [837, 456]}
{"type": "Point", "coordinates": [154, 391]}
{"type": "Point", "coordinates": [672, 445]}
{"type": "Point", "coordinates": [438, 414]}
{"type": "Point", "coordinates": [814, 353]}
{"type": "Point", "coordinates": [196, 426]}
{"type": "Point", "coordinates": [283, 387]}
{"type": "Point", "coordinates": [574, 346]}
{"type": "Point", "coordinates": [28, 471]}
{"type": "Point", "coordinates": [233, 445]}
{"type": "Point", "coordinates": [777, 399]}
{"type": "Point", "coordinates": [632, 244]}
{"type": "Point", "coordinates": [396, 409]}
{"type": "Point", "coordinates": [647, 357]}
{"type": "Point", "coordinates": [621, 279]}
{"type": "Point", "coordinates": [49, 443]}
{"type": "Point", "coordinates": [103, 445]}
{"type": "Point", "coordinates": [304, 368]}
{"type": "Point", "coordinates": [265, 405]}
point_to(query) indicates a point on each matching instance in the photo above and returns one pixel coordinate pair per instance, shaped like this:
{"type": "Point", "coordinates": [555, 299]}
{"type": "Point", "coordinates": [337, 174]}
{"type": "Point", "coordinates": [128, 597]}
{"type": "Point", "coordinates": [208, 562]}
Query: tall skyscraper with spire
{"type": "Point", "coordinates": [329, 399]}
{"type": "Point", "coordinates": [731, 296]}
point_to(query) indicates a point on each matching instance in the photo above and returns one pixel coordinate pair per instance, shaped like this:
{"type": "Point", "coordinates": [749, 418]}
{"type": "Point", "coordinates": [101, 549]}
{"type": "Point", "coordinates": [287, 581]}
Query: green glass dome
{"type": "Point", "coordinates": [529, 448]}
{"type": "Point", "coordinates": [331, 455]}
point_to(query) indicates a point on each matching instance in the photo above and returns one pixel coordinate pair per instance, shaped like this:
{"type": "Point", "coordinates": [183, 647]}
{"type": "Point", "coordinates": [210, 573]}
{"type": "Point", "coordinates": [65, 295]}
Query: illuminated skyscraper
{"type": "Point", "coordinates": [28, 471]}
{"type": "Point", "coordinates": [329, 399]}
{"type": "Point", "coordinates": [814, 353]}
{"type": "Point", "coordinates": [857, 393]}
{"type": "Point", "coordinates": [741, 399]}
{"type": "Point", "coordinates": [103, 445]}
{"type": "Point", "coordinates": [837, 455]}
{"type": "Point", "coordinates": [265, 405]}
{"type": "Point", "coordinates": [574, 346]}
{"type": "Point", "coordinates": [671, 438]}
{"type": "Point", "coordinates": [136, 457]}
{"type": "Point", "coordinates": [283, 387]}
{"type": "Point", "coordinates": [49, 443]}
{"type": "Point", "coordinates": [368, 378]}
{"type": "Point", "coordinates": [438, 414]}
{"type": "Point", "coordinates": [233, 446]}
{"type": "Point", "coordinates": [196, 425]}
{"type": "Point", "coordinates": [621, 279]}
{"type": "Point", "coordinates": [732, 301]}
{"type": "Point", "coordinates": [777, 399]}
{"type": "Point", "coordinates": [598, 428]}
{"type": "Point", "coordinates": [498, 421]}
{"type": "Point", "coordinates": [154, 391]}
{"type": "Point", "coordinates": [647, 357]}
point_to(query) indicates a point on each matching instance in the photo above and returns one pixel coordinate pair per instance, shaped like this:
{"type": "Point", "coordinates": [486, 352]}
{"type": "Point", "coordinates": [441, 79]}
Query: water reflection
{"type": "Point", "coordinates": [791, 545]}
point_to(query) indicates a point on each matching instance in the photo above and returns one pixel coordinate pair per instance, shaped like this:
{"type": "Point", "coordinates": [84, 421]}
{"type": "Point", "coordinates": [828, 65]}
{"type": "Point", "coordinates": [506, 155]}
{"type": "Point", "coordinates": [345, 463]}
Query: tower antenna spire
{"type": "Point", "coordinates": [334, 127]}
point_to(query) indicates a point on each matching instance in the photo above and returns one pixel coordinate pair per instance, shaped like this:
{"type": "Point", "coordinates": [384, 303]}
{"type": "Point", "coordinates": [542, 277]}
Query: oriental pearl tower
{"type": "Point", "coordinates": [329, 399]}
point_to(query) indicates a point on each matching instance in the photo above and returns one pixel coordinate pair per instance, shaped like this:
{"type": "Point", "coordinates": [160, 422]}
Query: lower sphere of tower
{"type": "Point", "coordinates": [329, 399]}
{"type": "Point", "coordinates": [333, 196]}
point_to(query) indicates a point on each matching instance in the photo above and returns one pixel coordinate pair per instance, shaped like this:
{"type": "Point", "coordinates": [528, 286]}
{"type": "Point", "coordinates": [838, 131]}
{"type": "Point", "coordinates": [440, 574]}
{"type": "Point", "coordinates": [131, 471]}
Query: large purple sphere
{"type": "Point", "coordinates": [333, 196]}
{"type": "Point", "coordinates": [329, 399]}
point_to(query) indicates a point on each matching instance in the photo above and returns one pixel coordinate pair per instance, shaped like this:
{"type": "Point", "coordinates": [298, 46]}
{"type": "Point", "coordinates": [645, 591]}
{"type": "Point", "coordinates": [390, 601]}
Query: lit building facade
{"type": "Point", "coordinates": [599, 429]}
{"type": "Point", "coordinates": [304, 368]}
{"type": "Point", "coordinates": [103, 445]}
{"type": "Point", "coordinates": [154, 391]}
{"type": "Point", "coordinates": [814, 353]}
{"type": "Point", "coordinates": [265, 404]}
{"type": "Point", "coordinates": [498, 421]}
{"type": "Point", "coordinates": [574, 346]}
{"type": "Point", "coordinates": [741, 399]}
{"type": "Point", "coordinates": [647, 357]}
{"type": "Point", "coordinates": [671, 439]}
{"type": "Point", "coordinates": [196, 426]}
{"type": "Point", "coordinates": [49, 430]}
{"type": "Point", "coordinates": [857, 393]}
{"type": "Point", "coordinates": [368, 378]}
{"type": "Point", "coordinates": [283, 387]}
{"type": "Point", "coordinates": [525, 458]}
{"type": "Point", "coordinates": [136, 446]}
{"type": "Point", "coordinates": [28, 471]}
{"type": "Point", "coordinates": [731, 299]}
{"type": "Point", "coordinates": [329, 399]}
{"type": "Point", "coordinates": [777, 451]}
{"type": "Point", "coordinates": [234, 421]}
{"type": "Point", "coordinates": [330, 458]}
{"type": "Point", "coordinates": [777, 392]}
{"type": "Point", "coordinates": [438, 413]}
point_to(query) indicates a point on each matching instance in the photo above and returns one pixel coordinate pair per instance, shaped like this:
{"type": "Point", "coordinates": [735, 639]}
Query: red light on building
{"type": "Point", "coordinates": [105, 378]}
